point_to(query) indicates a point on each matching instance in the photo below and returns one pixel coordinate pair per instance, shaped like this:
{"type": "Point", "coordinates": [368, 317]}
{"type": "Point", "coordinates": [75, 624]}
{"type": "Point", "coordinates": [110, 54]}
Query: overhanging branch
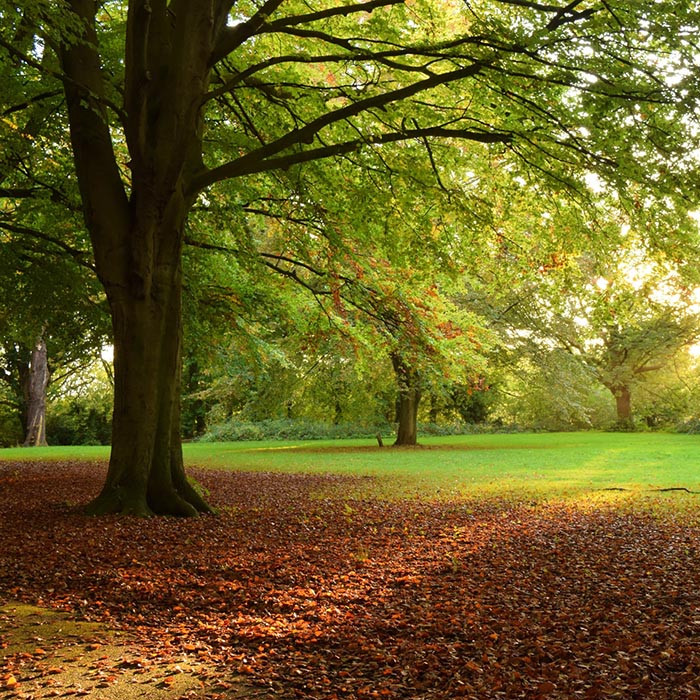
{"type": "Point", "coordinates": [272, 261]}
{"type": "Point", "coordinates": [81, 257]}
{"type": "Point", "coordinates": [232, 37]}
{"type": "Point", "coordinates": [343, 10]}
{"type": "Point", "coordinates": [248, 165]}
{"type": "Point", "coordinates": [313, 154]}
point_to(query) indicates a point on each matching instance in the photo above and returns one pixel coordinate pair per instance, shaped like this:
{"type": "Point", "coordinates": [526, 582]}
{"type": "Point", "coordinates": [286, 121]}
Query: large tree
{"type": "Point", "coordinates": [616, 314]}
{"type": "Point", "coordinates": [167, 99]}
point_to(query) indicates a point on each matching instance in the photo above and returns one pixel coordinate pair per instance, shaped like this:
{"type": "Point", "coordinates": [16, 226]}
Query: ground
{"type": "Point", "coordinates": [308, 586]}
{"type": "Point", "coordinates": [49, 654]}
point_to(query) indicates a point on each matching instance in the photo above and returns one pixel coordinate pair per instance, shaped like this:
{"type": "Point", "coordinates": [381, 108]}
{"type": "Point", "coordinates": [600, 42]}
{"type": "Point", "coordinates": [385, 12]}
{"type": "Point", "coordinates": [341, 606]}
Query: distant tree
{"type": "Point", "coordinates": [52, 314]}
{"type": "Point", "coordinates": [639, 341]}
{"type": "Point", "coordinates": [35, 396]}
{"type": "Point", "coordinates": [51, 311]}
{"type": "Point", "coordinates": [469, 402]}
{"type": "Point", "coordinates": [550, 390]}
{"type": "Point", "coordinates": [621, 317]}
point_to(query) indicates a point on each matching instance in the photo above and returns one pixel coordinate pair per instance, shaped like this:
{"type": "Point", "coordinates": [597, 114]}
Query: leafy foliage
{"type": "Point", "coordinates": [611, 307]}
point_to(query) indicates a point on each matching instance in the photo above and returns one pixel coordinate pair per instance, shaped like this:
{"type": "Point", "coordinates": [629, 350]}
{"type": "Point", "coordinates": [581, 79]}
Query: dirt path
{"type": "Point", "coordinates": [47, 654]}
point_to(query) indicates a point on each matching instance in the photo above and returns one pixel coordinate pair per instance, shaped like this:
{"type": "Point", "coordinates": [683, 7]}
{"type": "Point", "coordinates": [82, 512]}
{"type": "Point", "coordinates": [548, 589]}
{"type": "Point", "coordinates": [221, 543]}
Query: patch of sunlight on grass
{"type": "Point", "coordinates": [539, 466]}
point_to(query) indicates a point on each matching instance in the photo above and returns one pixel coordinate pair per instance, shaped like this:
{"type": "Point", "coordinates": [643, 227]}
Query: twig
{"type": "Point", "coordinates": [670, 488]}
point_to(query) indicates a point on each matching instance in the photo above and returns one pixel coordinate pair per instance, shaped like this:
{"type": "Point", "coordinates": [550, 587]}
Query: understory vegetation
{"type": "Point", "coordinates": [513, 403]}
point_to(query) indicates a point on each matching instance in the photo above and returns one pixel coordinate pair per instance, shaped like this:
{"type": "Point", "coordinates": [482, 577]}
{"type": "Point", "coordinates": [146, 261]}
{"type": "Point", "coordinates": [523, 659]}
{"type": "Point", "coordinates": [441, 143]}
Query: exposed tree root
{"type": "Point", "coordinates": [116, 501]}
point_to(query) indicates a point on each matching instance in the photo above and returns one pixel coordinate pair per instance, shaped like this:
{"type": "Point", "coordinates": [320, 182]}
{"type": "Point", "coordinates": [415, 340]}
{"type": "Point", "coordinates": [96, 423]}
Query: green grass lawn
{"type": "Point", "coordinates": [556, 465]}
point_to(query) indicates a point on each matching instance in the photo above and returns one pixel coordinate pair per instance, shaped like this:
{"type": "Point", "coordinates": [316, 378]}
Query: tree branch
{"type": "Point", "coordinates": [344, 10]}
{"type": "Point", "coordinates": [18, 192]}
{"type": "Point", "coordinates": [261, 159]}
{"type": "Point", "coordinates": [371, 310]}
{"type": "Point", "coordinates": [32, 100]}
{"type": "Point", "coordinates": [306, 156]}
{"type": "Point", "coordinates": [104, 199]}
{"type": "Point", "coordinates": [81, 257]}
{"type": "Point", "coordinates": [231, 38]}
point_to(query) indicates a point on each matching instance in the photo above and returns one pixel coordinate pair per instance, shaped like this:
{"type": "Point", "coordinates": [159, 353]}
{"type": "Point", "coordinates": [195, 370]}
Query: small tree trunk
{"type": "Point", "coordinates": [434, 409]}
{"type": "Point", "coordinates": [338, 413]}
{"type": "Point", "coordinates": [36, 382]}
{"type": "Point", "coordinates": [409, 396]}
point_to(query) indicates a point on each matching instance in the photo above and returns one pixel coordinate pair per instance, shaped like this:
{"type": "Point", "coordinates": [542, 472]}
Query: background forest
{"type": "Point", "coordinates": [556, 350]}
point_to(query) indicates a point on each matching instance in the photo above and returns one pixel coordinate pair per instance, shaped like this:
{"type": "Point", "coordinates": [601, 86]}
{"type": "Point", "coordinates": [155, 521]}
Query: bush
{"type": "Point", "coordinates": [75, 423]}
{"type": "Point", "coordinates": [289, 429]}
{"type": "Point", "coordinates": [10, 428]}
{"type": "Point", "coordinates": [300, 429]}
{"type": "Point", "coordinates": [690, 426]}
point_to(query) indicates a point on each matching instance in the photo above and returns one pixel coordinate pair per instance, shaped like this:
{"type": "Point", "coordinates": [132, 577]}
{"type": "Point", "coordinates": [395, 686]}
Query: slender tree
{"type": "Point", "coordinates": [35, 395]}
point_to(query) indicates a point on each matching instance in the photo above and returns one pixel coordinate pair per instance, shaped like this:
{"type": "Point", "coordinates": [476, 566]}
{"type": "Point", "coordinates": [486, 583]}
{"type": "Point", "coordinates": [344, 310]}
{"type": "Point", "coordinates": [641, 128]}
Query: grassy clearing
{"type": "Point", "coordinates": [548, 465]}
{"type": "Point", "coordinates": [82, 453]}
{"type": "Point", "coordinates": [540, 466]}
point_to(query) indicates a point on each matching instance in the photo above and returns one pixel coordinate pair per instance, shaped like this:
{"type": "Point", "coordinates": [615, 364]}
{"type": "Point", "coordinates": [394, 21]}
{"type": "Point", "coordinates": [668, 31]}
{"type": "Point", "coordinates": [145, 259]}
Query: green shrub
{"type": "Point", "coordinates": [495, 427]}
{"type": "Point", "coordinates": [77, 423]}
{"type": "Point", "coordinates": [690, 426]}
{"type": "Point", "coordinates": [290, 429]}
{"type": "Point", "coordinates": [301, 429]}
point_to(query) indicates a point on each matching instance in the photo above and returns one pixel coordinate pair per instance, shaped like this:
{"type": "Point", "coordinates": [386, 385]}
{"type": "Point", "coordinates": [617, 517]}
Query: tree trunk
{"type": "Point", "coordinates": [146, 473]}
{"type": "Point", "coordinates": [434, 409]}
{"type": "Point", "coordinates": [408, 399]}
{"type": "Point", "coordinates": [623, 405]}
{"type": "Point", "coordinates": [137, 230]}
{"type": "Point", "coordinates": [35, 384]}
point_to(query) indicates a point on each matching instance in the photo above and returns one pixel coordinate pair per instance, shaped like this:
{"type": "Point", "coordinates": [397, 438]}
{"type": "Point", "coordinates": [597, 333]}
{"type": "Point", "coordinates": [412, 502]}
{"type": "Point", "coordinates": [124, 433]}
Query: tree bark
{"type": "Point", "coordinates": [146, 473]}
{"type": "Point", "coordinates": [35, 383]}
{"type": "Point", "coordinates": [408, 399]}
{"type": "Point", "coordinates": [137, 232]}
{"type": "Point", "coordinates": [623, 405]}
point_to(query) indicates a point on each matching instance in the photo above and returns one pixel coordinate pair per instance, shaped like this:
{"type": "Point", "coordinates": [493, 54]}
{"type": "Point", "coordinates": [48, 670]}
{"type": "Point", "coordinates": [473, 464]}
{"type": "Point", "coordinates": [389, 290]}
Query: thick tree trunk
{"type": "Point", "coordinates": [146, 474]}
{"type": "Point", "coordinates": [35, 383]}
{"type": "Point", "coordinates": [136, 226]}
{"type": "Point", "coordinates": [623, 405]}
{"type": "Point", "coordinates": [407, 403]}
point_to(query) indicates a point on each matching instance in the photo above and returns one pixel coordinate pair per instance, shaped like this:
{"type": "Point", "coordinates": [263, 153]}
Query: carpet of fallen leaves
{"type": "Point", "coordinates": [308, 589]}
